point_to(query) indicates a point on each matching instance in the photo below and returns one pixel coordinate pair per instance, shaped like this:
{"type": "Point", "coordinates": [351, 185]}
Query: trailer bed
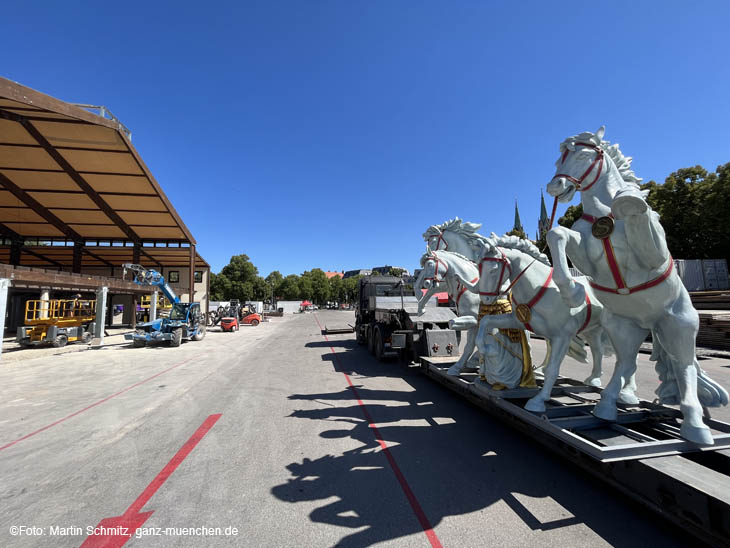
{"type": "Point", "coordinates": [641, 453]}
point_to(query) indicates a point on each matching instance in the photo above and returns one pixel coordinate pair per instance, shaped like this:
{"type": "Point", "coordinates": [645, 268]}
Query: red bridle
{"type": "Point", "coordinates": [505, 266]}
{"type": "Point", "coordinates": [440, 241]}
{"type": "Point", "coordinates": [579, 182]}
{"type": "Point", "coordinates": [436, 262]}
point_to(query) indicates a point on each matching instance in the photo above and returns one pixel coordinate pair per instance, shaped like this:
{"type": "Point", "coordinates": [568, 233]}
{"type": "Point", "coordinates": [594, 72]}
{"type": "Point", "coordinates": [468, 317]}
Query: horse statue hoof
{"type": "Point", "coordinates": [535, 405]}
{"type": "Point", "coordinates": [628, 397]}
{"type": "Point", "coordinates": [628, 202]}
{"type": "Point", "coordinates": [606, 411]}
{"type": "Point", "coordinates": [700, 435]}
{"type": "Point", "coordinates": [593, 381]}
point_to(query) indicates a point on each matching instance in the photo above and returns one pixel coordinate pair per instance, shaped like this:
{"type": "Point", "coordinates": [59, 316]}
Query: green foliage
{"type": "Point", "coordinates": [288, 289]}
{"type": "Point", "coordinates": [337, 289]}
{"type": "Point", "coordinates": [517, 232]}
{"type": "Point", "coordinates": [692, 205]}
{"type": "Point", "coordinates": [350, 286]}
{"type": "Point", "coordinates": [395, 271]}
{"type": "Point", "coordinates": [572, 214]}
{"type": "Point", "coordinates": [320, 285]}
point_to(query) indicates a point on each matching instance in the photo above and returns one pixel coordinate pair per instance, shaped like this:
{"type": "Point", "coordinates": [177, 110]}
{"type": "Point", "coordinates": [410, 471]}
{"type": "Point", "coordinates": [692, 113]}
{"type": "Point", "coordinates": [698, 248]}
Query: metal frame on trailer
{"type": "Point", "coordinates": [640, 454]}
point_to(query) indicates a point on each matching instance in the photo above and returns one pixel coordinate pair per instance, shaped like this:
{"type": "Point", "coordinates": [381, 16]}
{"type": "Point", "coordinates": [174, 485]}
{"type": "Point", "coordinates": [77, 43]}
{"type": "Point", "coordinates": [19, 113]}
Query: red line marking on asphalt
{"type": "Point", "coordinates": [59, 421]}
{"type": "Point", "coordinates": [116, 531]}
{"type": "Point", "coordinates": [407, 491]}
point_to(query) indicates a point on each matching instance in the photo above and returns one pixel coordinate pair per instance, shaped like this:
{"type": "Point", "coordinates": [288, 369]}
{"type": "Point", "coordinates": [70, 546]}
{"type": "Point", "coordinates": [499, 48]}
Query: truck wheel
{"type": "Point", "coordinates": [200, 334]}
{"type": "Point", "coordinates": [254, 322]}
{"type": "Point", "coordinates": [358, 334]}
{"type": "Point", "coordinates": [370, 332]}
{"type": "Point", "coordinates": [60, 341]}
{"type": "Point", "coordinates": [176, 337]}
{"type": "Point", "coordinates": [379, 347]}
{"type": "Point", "coordinates": [137, 343]}
{"type": "Point", "coordinates": [86, 337]}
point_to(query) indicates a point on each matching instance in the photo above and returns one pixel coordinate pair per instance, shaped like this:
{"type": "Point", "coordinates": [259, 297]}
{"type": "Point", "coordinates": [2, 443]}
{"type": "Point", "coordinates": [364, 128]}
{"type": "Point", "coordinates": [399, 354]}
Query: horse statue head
{"type": "Point", "coordinates": [452, 235]}
{"type": "Point", "coordinates": [498, 265]}
{"type": "Point", "coordinates": [592, 166]}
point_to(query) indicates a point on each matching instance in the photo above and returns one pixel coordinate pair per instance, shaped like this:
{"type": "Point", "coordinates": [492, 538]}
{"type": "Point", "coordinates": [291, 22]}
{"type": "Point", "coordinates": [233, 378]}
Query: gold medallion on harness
{"type": "Point", "coordinates": [602, 228]}
{"type": "Point", "coordinates": [523, 313]}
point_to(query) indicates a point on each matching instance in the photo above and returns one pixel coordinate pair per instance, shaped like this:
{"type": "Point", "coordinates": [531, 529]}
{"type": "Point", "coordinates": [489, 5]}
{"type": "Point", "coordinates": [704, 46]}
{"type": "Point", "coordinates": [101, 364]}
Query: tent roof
{"type": "Point", "coordinates": [69, 174]}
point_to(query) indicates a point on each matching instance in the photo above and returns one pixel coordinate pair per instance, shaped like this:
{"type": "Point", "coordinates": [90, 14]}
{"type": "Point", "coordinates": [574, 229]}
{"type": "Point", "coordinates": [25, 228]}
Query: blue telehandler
{"type": "Point", "coordinates": [186, 321]}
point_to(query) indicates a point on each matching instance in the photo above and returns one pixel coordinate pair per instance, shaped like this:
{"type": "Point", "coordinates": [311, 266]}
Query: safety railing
{"type": "Point", "coordinates": [38, 310]}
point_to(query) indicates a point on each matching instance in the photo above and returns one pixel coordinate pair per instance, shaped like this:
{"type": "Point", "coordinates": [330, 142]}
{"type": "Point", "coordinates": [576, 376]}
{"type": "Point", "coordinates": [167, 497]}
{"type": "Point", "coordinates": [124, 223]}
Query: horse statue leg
{"type": "Point", "coordinates": [563, 242]}
{"type": "Point", "coordinates": [643, 230]}
{"type": "Point", "coordinates": [559, 347]}
{"type": "Point", "coordinates": [626, 338]}
{"type": "Point", "coordinates": [594, 339]}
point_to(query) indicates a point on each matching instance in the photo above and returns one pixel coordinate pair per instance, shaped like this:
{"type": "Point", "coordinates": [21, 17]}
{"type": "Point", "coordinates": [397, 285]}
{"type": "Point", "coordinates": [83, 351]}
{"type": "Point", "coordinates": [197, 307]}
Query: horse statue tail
{"type": "Point", "coordinates": [709, 392]}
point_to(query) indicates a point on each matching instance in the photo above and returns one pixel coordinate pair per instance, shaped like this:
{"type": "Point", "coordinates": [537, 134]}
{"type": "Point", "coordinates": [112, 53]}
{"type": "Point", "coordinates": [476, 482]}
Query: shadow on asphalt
{"type": "Point", "coordinates": [456, 459]}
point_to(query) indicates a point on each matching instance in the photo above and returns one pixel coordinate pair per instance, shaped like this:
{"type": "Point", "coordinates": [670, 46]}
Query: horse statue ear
{"type": "Point", "coordinates": [600, 133]}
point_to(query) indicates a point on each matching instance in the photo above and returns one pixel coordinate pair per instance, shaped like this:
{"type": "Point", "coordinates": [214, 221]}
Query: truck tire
{"type": "Point", "coordinates": [379, 345]}
{"type": "Point", "coordinates": [358, 333]}
{"type": "Point", "coordinates": [369, 332]}
{"type": "Point", "coordinates": [86, 337]}
{"type": "Point", "coordinates": [200, 334]}
{"type": "Point", "coordinates": [254, 322]}
{"type": "Point", "coordinates": [60, 341]}
{"type": "Point", "coordinates": [176, 337]}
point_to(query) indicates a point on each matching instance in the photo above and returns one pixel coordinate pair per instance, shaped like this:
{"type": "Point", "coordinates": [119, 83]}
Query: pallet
{"type": "Point", "coordinates": [641, 454]}
{"type": "Point", "coordinates": [334, 329]}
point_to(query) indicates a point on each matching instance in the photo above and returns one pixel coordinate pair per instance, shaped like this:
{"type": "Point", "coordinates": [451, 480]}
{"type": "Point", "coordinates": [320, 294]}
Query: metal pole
{"type": "Point", "coordinates": [4, 285]}
{"type": "Point", "coordinates": [192, 272]}
{"type": "Point", "coordinates": [100, 320]}
{"type": "Point", "coordinates": [153, 306]}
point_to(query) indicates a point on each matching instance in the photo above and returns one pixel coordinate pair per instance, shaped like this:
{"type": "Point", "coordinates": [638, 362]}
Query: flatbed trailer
{"type": "Point", "coordinates": [640, 454]}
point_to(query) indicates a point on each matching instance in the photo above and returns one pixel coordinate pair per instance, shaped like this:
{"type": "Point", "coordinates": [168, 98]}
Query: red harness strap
{"type": "Point", "coordinates": [463, 289]}
{"type": "Point", "coordinates": [588, 314]}
{"type": "Point", "coordinates": [621, 287]}
{"type": "Point", "coordinates": [536, 298]}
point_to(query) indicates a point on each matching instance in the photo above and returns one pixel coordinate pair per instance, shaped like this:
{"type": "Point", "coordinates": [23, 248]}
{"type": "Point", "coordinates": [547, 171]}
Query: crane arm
{"type": "Point", "coordinates": [145, 276]}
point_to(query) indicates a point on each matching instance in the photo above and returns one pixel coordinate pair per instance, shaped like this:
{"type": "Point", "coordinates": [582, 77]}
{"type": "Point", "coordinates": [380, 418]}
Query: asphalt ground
{"type": "Point", "coordinates": [291, 439]}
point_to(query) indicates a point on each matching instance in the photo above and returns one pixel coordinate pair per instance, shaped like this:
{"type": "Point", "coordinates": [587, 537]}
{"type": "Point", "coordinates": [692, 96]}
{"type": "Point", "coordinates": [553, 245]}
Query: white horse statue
{"type": "Point", "coordinates": [501, 357]}
{"type": "Point", "coordinates": [621, 246]}
{"type": "Point", "coordinates": [512, 266]}
{"type": "Point", "coordinates": [444, 268]}
{"type": "Point", "coordinates": [454, 235]}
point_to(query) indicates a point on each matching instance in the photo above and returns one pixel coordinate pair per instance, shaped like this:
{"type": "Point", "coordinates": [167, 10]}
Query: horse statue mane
{"type": "Point", "coordinates": [515, 242]}
{"type": "Point", "coordinates": [454, 225]}
{"type": "Point", "coordinates": [623, 163]}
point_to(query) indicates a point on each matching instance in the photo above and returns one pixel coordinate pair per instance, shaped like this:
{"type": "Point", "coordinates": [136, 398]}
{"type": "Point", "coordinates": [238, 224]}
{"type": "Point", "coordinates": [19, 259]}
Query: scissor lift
{"type": "Point", "coordinates": [57, 322]}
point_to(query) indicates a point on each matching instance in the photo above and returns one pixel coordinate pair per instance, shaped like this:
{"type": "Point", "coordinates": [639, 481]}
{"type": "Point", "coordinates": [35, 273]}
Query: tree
{"type": "Point", "coordinates": [394, 271]}
{"type": "Point", "coordinates": [692, 206]}
{"type": "Point", "coordinates": [351, 286]}
{"type": "Point", "coordinates": [337, 289]}
{"type": "Point", "coordinates": [288, 289]}
{"type": "Point", "coordinates": [517, 232]}
{"type": "Point", "coordinates": [237, 280]}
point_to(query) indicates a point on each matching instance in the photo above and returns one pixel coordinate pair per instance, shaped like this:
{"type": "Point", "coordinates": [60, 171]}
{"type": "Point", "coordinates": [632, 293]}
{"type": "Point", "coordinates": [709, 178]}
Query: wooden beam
{"type": "Point", "coordinates": [38, 208]}
{"type": "Point", "coordinates": [192, 273]}
{"type": "Point", "coordinates": [71, 172]}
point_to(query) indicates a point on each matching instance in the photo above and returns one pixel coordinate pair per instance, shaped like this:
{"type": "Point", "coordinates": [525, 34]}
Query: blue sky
{"type": "Point", "coordinates": [331, 134]}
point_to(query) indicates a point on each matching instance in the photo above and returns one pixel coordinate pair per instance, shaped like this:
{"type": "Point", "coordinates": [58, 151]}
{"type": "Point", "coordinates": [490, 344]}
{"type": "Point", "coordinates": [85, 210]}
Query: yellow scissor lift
{"type": "Point", "coordinates": [57, 321]}
{"type": "Point", "coordinates": [163, 307]}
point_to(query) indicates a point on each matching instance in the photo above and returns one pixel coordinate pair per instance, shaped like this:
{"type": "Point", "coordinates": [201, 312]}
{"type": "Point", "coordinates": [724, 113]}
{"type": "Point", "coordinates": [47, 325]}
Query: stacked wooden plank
{"type": "Point", "coordinates": [714, 329]}
{"type": "Point", "coordinates": [711, 300]}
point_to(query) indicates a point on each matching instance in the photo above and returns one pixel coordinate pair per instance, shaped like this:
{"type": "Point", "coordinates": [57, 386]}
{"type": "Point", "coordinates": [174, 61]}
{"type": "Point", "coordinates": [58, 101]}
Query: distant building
{"type": "Point", "coordinates": [385, 270]}
{"type": "Point", "coordinates": [358, 272]}
{"type": "Point", "coordinates": [333, 274]}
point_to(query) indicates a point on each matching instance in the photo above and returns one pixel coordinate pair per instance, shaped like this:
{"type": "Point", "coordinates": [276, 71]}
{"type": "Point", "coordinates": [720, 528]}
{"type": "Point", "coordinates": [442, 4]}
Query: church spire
{"type": "Point", "coordinates": [518, 223]}
{"type": "Point", "coordinates": [543, 221]}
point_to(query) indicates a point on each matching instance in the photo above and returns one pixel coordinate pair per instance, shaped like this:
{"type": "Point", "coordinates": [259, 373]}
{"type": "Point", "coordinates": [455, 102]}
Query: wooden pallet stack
{"type": "Point", "coordinates": [714, 310]}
